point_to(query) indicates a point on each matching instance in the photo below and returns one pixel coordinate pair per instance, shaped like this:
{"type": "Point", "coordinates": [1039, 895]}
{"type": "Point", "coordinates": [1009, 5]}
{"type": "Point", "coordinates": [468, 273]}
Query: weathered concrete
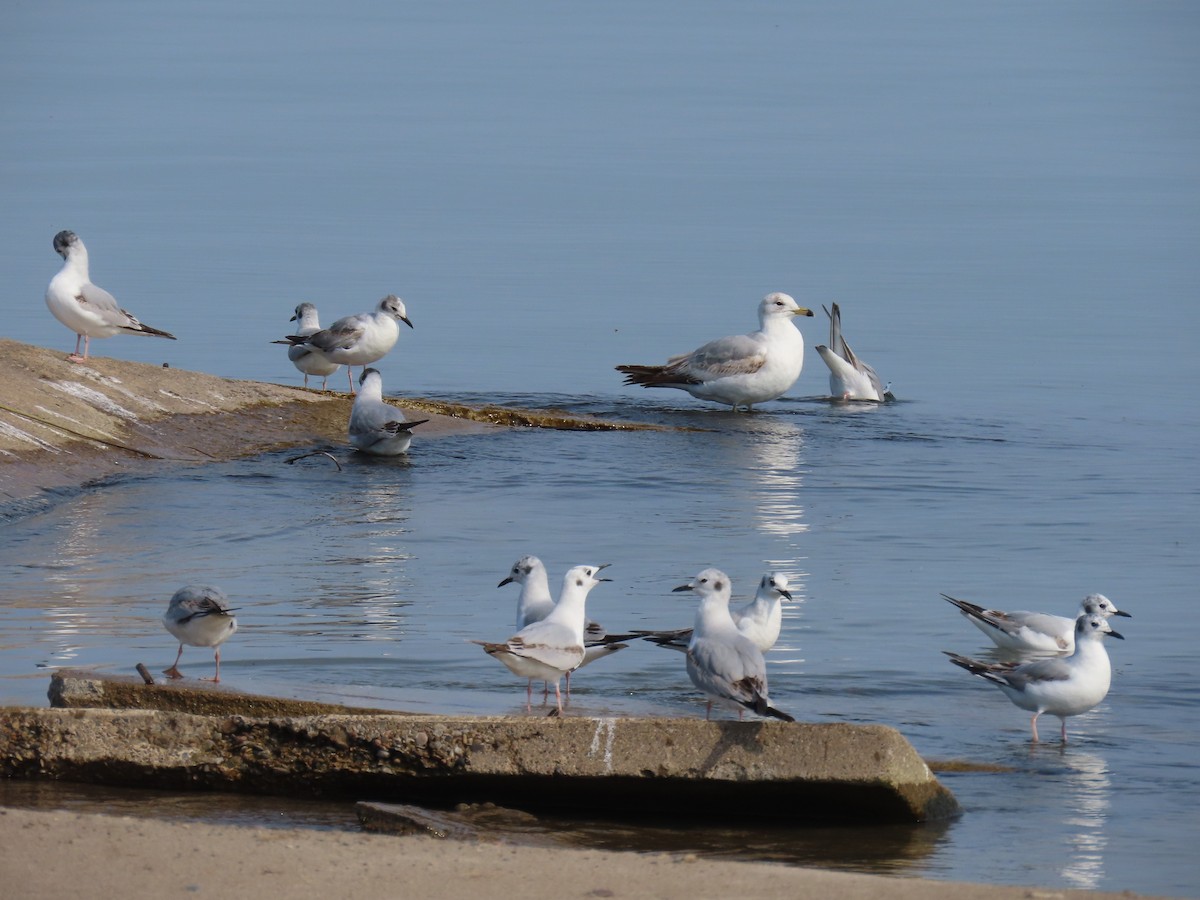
{"type": "Point", "coordinates": [792, 772]}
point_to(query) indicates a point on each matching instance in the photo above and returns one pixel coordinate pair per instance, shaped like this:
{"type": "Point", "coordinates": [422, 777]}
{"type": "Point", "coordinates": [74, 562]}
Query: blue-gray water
{"type": "Point", "coordinates": [1005, 200]}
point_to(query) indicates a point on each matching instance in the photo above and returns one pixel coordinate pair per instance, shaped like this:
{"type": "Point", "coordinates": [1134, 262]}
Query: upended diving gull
{"type": "Point", "coordinates": [305, 358]}
{"type": "Point", "coordinates": [358, 340]}
{"type": "Point", "coordinates": [377, 427]}
{"type": "Point", "coordinates": [849, 377]}
{"type": "Point", "coordinates": [86, 309]}
{"type": "Point", "coordinates": [549, 648]}
{"type": "Point", "coordinates": [1062, 685]}
{"type": "Point", "coordinates": [760, 620]}
{"type": "Point", "coordinates": [1031, 631]}
{"type": "Point", "coordinates": [739, 370]}
{"type": "Point", "coordinates": [199, 615]}
{"type": "Point", "coordinates": [721, 661]}
{"type": "Point", "coordinates": [534, 603]}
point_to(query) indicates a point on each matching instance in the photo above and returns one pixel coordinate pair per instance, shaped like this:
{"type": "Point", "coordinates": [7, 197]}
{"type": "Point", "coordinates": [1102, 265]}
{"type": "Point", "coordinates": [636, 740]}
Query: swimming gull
{"type": "Point", "coordinates": [740, 370]}
{"type": "Point", "coordinates": [377, 427]}
{"type": "Point", "coordinates": [199, 615]}
{"type": "Point", "coordinates": [86, 309]}
{"type": "Point", "coordinates": [1062, 685]}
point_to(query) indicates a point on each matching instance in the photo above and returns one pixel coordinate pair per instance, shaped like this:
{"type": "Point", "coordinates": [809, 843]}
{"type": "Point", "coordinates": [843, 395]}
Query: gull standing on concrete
{"type": "Point", "coordinates": [377, 427]}
{"type": "Point", "coordinates": [358, 340]}
{"type": "Point", "coordinates": [535, 602]}
{"type": "Point", "coordinates": [849, 377]}
{"type": "Point", "coordinates": [304, 357]}
{"type": "Point", "coordinates": [86, 309]}
{"type": "Point", "coordinates": [199, 615]}
{"type": "Point", "coordinates": [1034, 632]}
{"type": "Point", "coordinates": [740, 370]}
{"type": "Point", "coordinates": [547, 649]}
{"type": "Point", "coordinates": [721, 661]}
{"type": "Point", "coordinates": [1063, 685]}
{"type": "Point", "coordinates": [760, 620]}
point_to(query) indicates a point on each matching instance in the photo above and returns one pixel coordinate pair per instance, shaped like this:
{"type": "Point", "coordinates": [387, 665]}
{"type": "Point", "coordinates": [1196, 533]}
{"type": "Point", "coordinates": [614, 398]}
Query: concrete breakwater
{"type": "Point", "coordinates": [762, 771]}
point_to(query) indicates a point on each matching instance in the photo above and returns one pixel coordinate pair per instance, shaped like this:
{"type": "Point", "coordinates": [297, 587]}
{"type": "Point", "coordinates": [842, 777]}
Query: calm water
{"type": "Point", "coordinates": [1005, 201]}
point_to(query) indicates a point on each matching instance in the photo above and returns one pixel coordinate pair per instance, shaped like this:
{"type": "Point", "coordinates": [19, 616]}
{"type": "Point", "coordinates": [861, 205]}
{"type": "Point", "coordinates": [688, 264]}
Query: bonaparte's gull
{"type": "Point", "coordinates": [535, 602]}
{"type": "Point", "coordinates": [849, 377]}
{"type": "Point", "coordinates": [358, 340]}
{"type": "Point", "coordinates": [740, 370]}
{"type": "Point", "coordinates": [547, 649]}
{"type": "Point", "coordinates": [760, 619]}
{"type": "Point", "coordinates": [1062, 685]}
{"type": "Point", "coordinates": [377, 427]}
{"type": "Point", "coordinates": [86, 309]}
{"type": "Point", "coordinates": [1029, 631]}
{"type": "Point", "coordinates": [304, 357]}
{"type": "Point", "coordinates": [199, 615]}
{"type": "Point", "coordinates": [721, 661]}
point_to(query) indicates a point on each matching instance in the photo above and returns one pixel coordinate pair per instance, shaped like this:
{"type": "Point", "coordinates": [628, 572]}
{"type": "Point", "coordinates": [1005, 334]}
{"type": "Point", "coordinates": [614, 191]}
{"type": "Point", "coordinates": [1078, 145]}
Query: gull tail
{"type": "Point", "coordinates": [762, 706]}
{"type": "Point", "coordinates": [992, 672]}
{"type": "Point", "coordinates": [149, 331]}
{"type": "Point", "coordinates": [654, 376]}
{"type": "Point", "coordinates": [396, 427]}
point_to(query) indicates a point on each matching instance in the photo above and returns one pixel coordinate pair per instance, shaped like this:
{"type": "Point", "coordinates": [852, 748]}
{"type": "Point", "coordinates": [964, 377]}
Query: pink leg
{"type": "Point", "coordinates": [568, 684]}
{"type": "Point", "coordinates": [529, 695]}
{"type": "Point", "coordinates": [350, 375]}
{"type": "Point", "coordinates": [708, 712]}
{"type": "Point", "coordinates": [1034, 724]}
{"type": "Point", "coordinates": [558, 698]}
{"type": "Point", "coordinates": [75, 357]}
{"type": "Point", "coordinates": [174, 672]}
{"type": "Point", "coordinates": [217, 674]}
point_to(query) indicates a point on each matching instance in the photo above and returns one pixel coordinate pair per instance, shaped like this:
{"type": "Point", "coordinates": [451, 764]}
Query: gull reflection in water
{"type": "Point", "coordinates": [775, 466]}
{"type": "Point", "coordinates": [1086, 796]}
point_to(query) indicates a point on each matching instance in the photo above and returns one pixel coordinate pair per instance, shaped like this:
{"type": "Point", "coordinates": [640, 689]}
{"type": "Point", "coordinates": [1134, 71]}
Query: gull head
{"type": "Point", "coordinates": [780, 304]}
{"type": "Point", "coordinates": [64, 241]}
{"type": "Point", "coordinates": [709, 583]}
{"type": "Point", "coordinates": [1098, 604]}
{"type": "Point", "coordinates": [1094, 627]}
{"type": "Point", "coordinates": [585, 576]}
{"type": "Point", "coordinates": [521, 570]}
{"type": "Point", "coordinates": [367, 373]}
{"type": "Point", "coordinates": [302, 310]}
{"type": "Point", "coordinates": [394, 307]}
{"type": "Point", "coordinates": [777, 582]}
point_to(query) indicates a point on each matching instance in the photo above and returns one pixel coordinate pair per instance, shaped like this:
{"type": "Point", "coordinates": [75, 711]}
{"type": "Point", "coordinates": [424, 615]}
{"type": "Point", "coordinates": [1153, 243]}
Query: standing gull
{"type": "Point", "coordinates": [199, 615]}
{"type": "Point", "coordinates": [849, 377]}
{"type": "Point", "coordinates": [1062, 685]}
{"type": "Point", "coordinates": [86, 309]}
{"type": "Point", "coordinates": [304, 357]}
{"type": "Point", "coordinates": [358, 340]}
{"type": "Point", "coordinates": [1030, 631]}
{"type": "Point", "coordinates": [377, 427]}
{"type": "Point", "coordinates": [740, 370]}
{"type": "Point", "coordinates": [535, 602]}
{"type": "Point", "coordinates": [760, 620]}
{"type": "Point", "coordinates": [548, 649]}
{"type": "Point", "coordinates": [721, 661]}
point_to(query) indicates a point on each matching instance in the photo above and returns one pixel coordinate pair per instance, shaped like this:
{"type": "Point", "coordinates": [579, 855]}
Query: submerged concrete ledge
{"type": "Point", "coordinates": [789, 773]}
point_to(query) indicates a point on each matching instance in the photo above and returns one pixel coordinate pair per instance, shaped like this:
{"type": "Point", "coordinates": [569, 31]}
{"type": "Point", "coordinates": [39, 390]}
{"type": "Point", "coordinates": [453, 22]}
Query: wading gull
{"type": "Point", "coordinates": [849, 377]}
{"type": "Point", "coordinates": [1030, 631]}
{"type": "Point", "coordinates": [199, 615]}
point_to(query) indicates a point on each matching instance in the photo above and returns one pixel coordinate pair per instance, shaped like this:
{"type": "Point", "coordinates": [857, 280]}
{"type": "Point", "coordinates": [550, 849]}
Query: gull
{"type": "Point", "coordinates": [358, 340]}
{"type": "Point", "coordinates": [377, 427]}
{"type": "Point", "coordinates": [1062, 685]}
{"type": "Point", "coordinates": [849, 377]}
{"type": "Point", "coordinates": [1030, 631]}
{"type": "Point", "coordinates": [304, 357]}
{"type": "Point", "coordinates": [86, 309]}
{"type": "Point", "coordinates": [760, 619]}
{"type": "Point", "coordinates": [199, 615]}
{"type": "Point", "coordinates": [549, 648]}
{"type": "Point", "coordinates": [535, 602]}
{"type": "Point", "coordinates": [740, 370]}
{"type": "Point", "coordinates": [721, 661]}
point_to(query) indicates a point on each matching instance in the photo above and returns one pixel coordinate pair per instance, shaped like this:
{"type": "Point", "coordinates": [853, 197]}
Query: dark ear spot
{"type": "Point", "coordinates": [579, 582]}
{"type": "Point", "coordinates": [718, 585]}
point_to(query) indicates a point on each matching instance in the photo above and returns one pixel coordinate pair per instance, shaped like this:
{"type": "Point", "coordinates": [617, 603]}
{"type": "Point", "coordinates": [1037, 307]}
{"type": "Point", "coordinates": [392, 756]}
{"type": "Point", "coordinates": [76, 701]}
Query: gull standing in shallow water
{"type": "Point", "coordinates": [740, 370]}
{"type": "Point", "coordinates": [760, 620]}
{"type": "Point", "coordinates": [304, 357]}
{"type": "Point", "coordinates": [1034, 632]}
{"type": "Point", "coordinates": [86, 309]}
{"type": "Point", "coordinates": [1063, 685]}
{"type": "Point", "coordinates": [535, 602]}
{"type": "Point", "coordinates": [358, 340]}
{"type": "Point", "coordinates": [547, 649]}
{"type": "Point", "coordinates": [721, 661]}
{"type": "Point", "coordinates": [377, 427]}
{"type": "Point", "coordinates": [849, 377]}
{"type": "Point", "coordinates": [199, 615]}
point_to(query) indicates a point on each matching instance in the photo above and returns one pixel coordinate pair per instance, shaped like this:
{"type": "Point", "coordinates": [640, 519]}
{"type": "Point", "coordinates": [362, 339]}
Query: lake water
{"type": "Point", "coordinates": [1004, 199]}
